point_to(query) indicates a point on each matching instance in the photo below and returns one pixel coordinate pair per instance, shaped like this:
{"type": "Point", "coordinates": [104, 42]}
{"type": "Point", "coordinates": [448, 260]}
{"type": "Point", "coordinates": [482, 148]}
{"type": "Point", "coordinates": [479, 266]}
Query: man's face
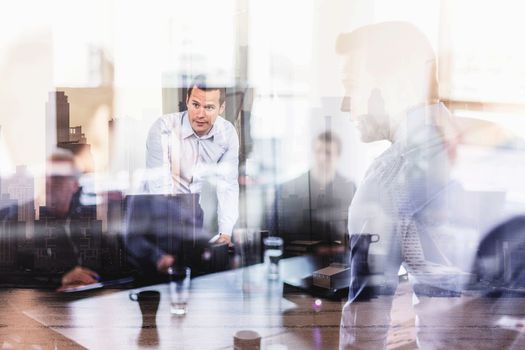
{"type": "Point", "coordinates": [326, 156]}
{"type": "Point", "coordinates": [203, 108]}
{"type": "Point", "coordinates": [364, 99]}
{"type": "Point", "coordinates": [61, 187]}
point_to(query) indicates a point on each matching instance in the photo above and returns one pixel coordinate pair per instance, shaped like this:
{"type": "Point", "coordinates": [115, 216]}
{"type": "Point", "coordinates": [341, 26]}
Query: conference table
{"type": "Point", "coordinates": [224, 303]}
{"type": "Point", "coordinates": [220, 304]}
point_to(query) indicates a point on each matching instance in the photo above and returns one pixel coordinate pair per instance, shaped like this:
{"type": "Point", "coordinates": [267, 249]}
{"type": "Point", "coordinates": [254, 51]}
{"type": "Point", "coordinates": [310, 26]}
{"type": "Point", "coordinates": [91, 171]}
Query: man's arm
{"type": "Point", "coordinates": [78, 276]}
{"type": "Point", "coordinates": [228, 188]}
{"type": "Point", "coordinates": [137, 225]}
{"type": "Point", "coordinates": [158, 175]}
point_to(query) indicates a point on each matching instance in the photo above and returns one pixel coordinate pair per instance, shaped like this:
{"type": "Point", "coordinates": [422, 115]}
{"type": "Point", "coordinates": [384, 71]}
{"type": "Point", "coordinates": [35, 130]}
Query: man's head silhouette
{"type": "Point", "coordinates": [389, 68]}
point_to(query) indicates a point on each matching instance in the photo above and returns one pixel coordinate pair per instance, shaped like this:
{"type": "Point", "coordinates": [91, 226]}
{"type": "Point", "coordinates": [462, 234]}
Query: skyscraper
{"type": "Point", "coordinates": [60, 134]}
{"type": "Point", "coordinates": [57, 118]}
{"type": "Point", "coordinates": [21, 187]}
{"type": "Point", "coordinates": [8, 233]}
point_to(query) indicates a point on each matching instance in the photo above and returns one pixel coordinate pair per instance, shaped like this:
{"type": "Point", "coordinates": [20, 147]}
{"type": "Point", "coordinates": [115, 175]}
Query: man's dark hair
{"type": "Point", "coordinates": [330, 137]}
{"type": "Point", "coordinates": [200, 82]}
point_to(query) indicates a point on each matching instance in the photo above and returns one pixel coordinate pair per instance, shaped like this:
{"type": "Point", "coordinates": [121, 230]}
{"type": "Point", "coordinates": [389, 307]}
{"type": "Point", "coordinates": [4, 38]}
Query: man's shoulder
{"type": "Point", "coordinates": [345, 187]}
{"type": "Point", "coordinates": [342, 179]}
{"type": "Point", "coordinates": [225, 130]}
{"type": "Point", "coordinates": [166, 123]}
{"type": "Point", "coordinates": [171, 119]}
{"type": "Point", "coordinates": [297, 184]}
{"type": "Point", "coordinates": [224, 125]}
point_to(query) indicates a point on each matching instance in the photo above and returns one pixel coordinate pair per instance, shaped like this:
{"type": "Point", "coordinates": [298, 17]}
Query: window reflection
{"type": "Point", "coordinates": [401, 148]}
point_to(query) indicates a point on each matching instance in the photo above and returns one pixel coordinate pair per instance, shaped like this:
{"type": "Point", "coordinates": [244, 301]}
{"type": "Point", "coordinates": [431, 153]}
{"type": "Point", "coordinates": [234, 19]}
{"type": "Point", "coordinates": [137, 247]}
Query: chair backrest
{"type": "Point", "coordinates": [500, 259]}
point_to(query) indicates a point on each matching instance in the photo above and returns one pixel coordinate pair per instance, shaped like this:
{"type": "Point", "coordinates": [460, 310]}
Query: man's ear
{"type": "Point", "coordinates": [221, 109]}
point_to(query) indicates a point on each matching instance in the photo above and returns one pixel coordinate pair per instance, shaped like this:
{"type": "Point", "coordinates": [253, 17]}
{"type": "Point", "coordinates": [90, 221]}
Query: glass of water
{"type": "Point", "coordinates": [179, 289]}
{"type": "Point", "coordinates": [273, 250]}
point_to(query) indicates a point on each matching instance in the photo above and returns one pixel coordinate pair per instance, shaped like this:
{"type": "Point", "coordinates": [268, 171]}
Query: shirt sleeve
{"type": "Point", "coordinates": [158, 174]}
{"type": "Point", "coordinates": [228, 185]}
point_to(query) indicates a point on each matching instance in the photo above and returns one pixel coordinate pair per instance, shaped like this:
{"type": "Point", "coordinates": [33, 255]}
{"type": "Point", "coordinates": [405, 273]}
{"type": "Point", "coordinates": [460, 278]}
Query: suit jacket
{"type": "Point", "coordinates": [304, 211]}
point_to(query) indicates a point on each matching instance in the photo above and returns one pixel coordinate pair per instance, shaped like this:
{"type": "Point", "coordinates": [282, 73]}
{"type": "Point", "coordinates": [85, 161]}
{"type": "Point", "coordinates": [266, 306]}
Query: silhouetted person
{"type": "Point", "coordinates": [408, 196]}
{"type": "Point", "coordinates": [63, 208]}
{"type": "Point", "coordinates": [314, 206]}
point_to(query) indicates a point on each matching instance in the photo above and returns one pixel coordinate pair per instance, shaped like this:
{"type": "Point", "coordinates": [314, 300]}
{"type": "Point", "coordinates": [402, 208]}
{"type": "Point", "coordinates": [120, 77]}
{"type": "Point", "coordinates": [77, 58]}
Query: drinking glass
{"type": "Point", "coordinates": [273, 250]}
{"type": "Point", "coordinates": [179, 289]}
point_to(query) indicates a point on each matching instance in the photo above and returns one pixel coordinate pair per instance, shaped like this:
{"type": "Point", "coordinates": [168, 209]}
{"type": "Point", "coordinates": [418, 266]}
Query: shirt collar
{"type": "Point", "coordinates": [187, 130]}
{"type": "Point", "coordinates": [418, 121]}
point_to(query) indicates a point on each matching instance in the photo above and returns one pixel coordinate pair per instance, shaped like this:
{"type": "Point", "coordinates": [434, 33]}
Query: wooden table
{"type": "Point", "coordinates": [223, 303]}
{"type": "Point", "coordinates": [220, 305]}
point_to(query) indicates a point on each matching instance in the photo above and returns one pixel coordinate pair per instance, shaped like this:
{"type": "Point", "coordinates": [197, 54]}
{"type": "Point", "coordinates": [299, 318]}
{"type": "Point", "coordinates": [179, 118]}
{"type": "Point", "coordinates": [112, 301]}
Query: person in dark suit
{"type": "Point", "coordinates": [58, 222]}
{"type": "Point", "coordinates": [314, 206]}
{"type": "Point", "coordinates": [160, 225]}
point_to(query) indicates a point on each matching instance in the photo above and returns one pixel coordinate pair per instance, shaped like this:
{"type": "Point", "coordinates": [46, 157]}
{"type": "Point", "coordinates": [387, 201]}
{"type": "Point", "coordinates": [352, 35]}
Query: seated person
{"type": "Point", "coordinates": [57, 230]}
{"type": "Point", "coordinates": [160, 226]}
{"type": "Point", "coordinates": [314, 206]}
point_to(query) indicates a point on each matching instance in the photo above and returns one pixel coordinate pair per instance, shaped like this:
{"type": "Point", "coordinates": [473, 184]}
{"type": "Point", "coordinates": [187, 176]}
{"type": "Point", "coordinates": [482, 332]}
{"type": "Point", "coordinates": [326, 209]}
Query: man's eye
{"type": "Point", "coordinates": [196, 105]}
{"type": "Point", "coordinates": [210, 108]}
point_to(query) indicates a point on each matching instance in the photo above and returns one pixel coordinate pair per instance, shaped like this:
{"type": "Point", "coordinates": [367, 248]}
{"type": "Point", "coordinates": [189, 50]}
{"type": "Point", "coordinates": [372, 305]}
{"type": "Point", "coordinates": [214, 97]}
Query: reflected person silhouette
{"type": "Point", "coordinates": [313, 206]}
{"type": "Point", "coordinates": [408, 195]}
{"type": "Point", "coordinates": [67, 219]}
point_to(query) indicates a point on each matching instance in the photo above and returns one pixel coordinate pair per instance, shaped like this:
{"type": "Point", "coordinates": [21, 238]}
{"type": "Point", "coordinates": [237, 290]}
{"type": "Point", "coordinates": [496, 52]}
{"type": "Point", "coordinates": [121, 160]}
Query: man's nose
{"type": "Point", "coordinates": [201, 113]}
{"type": "Point", "coordinates": [345, 104]}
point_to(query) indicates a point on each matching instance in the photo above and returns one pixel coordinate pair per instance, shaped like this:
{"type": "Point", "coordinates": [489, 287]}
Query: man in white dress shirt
{"type": "Point", "coordinates": [414, 200]}
{"type": "Point", "coordinates": [391, 94]}
{"type": "Point", "coordinates": [184, 149]}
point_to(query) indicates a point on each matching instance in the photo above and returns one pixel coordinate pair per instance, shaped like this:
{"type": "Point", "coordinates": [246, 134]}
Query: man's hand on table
{"type": "Point", "coordinates": [78, 276]}
{"type": "Point", "coordinates": [224, 238]}
{"type": "Point", "coordinates": [165, 262]}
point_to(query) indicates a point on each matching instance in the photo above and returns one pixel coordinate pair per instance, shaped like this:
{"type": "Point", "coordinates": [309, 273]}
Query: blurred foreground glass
{"type": "Point", "coordinates": [273, 250]}
{"type": "Point", "coordinates": [179, 289]}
